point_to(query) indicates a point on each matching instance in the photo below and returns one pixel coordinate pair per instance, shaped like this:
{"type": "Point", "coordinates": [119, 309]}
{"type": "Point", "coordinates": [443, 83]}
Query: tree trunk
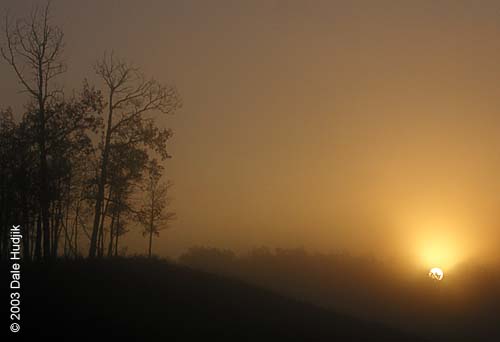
{"type": "Point", "coordinates": [44, 180]}
{"type": "Point", "coordinates": [151, 223]}
{"type": "Point", "coordinates": [100, 244]}
{"type": "Point", "coordinates": [57, 228]}
{"type": "Point", "coordinates": [101, 181]}
{"type": "Point", "coordinates": [117, 233]}
{"type": "Point", "coordinates": [75, 234]}
{"type": "Point", "coordinates": [111, 231]}
{"type": "Point", "coordinates": [38, 242]}
{"type": "Point", "coordinates": [150, 243]}
{"type": "Point", "coordinates": [76, 228]}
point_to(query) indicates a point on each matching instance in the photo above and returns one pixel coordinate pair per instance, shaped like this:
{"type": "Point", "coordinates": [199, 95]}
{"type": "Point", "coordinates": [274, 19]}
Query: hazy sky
{"type": "Point", "coordinates": [371, 126]}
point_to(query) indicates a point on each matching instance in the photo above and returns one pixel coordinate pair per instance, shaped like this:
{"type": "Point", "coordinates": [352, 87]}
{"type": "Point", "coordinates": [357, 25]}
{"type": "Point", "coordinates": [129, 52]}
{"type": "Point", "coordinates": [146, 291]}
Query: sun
{"type": "Point", "coordinates": [436, 273]}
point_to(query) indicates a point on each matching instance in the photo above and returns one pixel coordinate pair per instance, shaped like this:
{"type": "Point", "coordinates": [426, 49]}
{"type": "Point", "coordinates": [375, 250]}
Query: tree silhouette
{"type": "Point", "coordinates": [75, 163]}
{"type": "Point", "coordinates": [130, 99]}
{"type": "Point", "coordinates": [34, 51]}
{"type": "Point", "coordinates": [153, 214]}
{"type": "Point", "coordinates": [126, 165]}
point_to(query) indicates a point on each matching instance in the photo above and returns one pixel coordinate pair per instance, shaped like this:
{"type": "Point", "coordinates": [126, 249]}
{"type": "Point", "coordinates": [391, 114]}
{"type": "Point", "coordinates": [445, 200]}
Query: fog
{"type": "Point", "coordinates": [463, 306]}
{"type": "Point", "coordinates": [346, 126]}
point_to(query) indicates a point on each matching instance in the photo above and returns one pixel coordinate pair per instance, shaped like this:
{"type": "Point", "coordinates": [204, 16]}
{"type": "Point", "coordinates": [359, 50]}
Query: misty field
{"type": "Point", "coordinates": [465, 305]}
{"type": "Point", "coordinates": [359, 140]}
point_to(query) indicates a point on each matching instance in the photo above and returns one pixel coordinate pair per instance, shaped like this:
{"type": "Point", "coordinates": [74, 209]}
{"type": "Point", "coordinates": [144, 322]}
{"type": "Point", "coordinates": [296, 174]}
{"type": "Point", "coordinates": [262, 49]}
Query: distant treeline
{"type": "Point", "coordinates": [465, 305]}
{"type": "Point", "coordinates": [79, 166]}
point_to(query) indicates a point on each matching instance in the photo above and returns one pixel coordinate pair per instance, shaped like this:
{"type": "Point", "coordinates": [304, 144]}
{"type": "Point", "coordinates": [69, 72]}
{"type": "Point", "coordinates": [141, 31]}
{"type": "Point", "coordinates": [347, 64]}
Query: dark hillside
{"type": "Point", "coordinates": [154, 300]}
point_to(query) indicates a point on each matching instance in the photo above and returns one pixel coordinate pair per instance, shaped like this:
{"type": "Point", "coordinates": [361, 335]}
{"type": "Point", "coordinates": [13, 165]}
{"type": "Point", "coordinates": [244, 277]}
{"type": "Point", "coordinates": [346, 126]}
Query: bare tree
{"type": "Point", "coordinates": [33, 48]}
{"type": "Point", "coordinates": [153, 214]}
{"type": "Point", "coordinates": [130, 99]}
